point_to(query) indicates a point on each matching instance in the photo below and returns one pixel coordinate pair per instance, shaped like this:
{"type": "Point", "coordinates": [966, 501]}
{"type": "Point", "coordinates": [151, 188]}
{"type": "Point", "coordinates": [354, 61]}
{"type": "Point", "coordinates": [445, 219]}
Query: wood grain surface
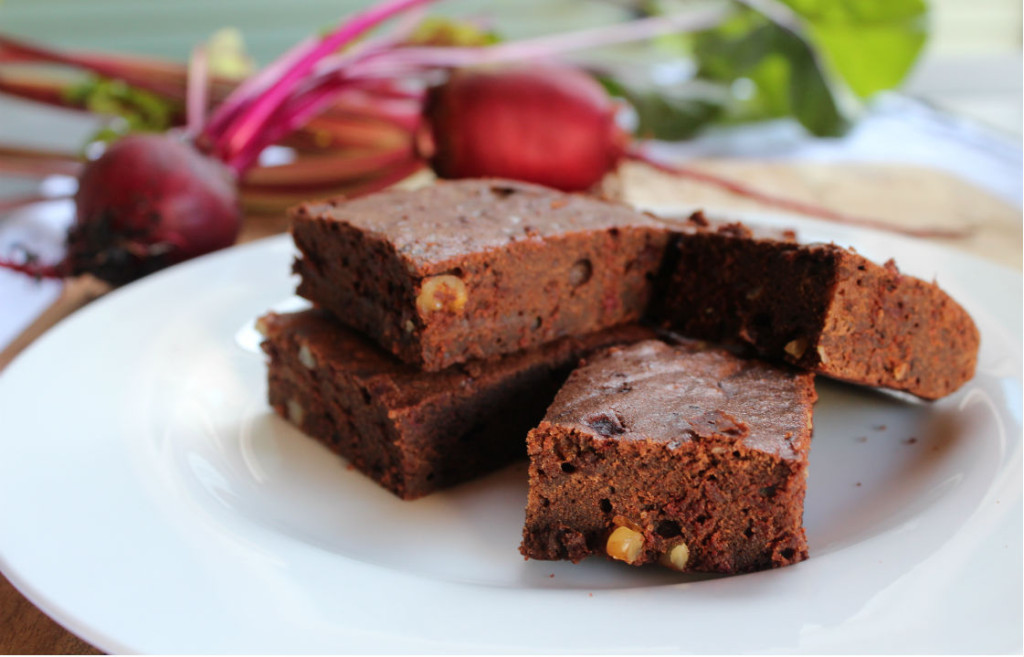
{"type": "Point", "coordinates": [905, 196]}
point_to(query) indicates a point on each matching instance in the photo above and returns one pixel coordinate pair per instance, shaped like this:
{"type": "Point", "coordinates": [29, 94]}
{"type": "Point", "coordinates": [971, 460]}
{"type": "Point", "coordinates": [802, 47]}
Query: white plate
{"type": "Point", "coordinates": [151, 502]}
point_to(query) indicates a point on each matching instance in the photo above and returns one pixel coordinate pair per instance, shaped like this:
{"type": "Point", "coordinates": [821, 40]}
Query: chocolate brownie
{"type": "Point", "coordinates": [694, 458]}
{"type": "Point", "coordinates": [411, 431]}
{"type": "Point", "coordinates": [819, 307]}
{"type": "Point", "coordinates": [476, 268]}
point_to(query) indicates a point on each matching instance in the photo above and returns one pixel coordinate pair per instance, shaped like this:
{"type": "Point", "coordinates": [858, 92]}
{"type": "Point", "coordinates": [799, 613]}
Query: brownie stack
{"type": "Point", "coordinates": [447, 320]}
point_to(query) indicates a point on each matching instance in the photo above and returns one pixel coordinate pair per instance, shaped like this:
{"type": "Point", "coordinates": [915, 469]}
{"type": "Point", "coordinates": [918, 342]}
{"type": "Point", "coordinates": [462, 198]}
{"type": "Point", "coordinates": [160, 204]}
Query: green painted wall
{"type": "Point", "coordinates": [171, 27]}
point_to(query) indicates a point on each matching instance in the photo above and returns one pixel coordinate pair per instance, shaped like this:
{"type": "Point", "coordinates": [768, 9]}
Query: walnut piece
{"type": "Point", "coordinates": [295, 412]}
{"type": "Point", "coordinates": [306, 357]}
{"type": "Point", "coordinates": [625, 544]}
{"type": "Point", "coordinates": [796, 348]}
{"type": "Point", "coordinates": [677, 557]}
{"type": "Point", "coordinates": [443, 293]}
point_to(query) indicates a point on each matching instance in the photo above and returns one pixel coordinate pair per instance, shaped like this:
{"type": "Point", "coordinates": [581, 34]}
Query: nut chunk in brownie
{"type": "Point", "coordinates": [476, 268]}
{"type": "Point", "coordinates": [819, 307]}
{"type": "Point", "coordinates": [692, 458]}
{"type": "Point", "coordinates": [413, 432]}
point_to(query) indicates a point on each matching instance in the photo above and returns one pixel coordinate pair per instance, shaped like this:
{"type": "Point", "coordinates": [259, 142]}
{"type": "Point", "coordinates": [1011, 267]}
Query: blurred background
{"type": "Point", "coordinates": [971, 65]}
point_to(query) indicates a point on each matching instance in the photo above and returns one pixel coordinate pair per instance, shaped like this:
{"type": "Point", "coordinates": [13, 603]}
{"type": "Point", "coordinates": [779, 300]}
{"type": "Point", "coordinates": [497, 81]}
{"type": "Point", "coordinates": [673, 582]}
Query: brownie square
{"type": "Point", "coordinates": [819, 307]}
{"type": "Point", "coordinates": [414, 432]}
{"type": "Point", "coordinates": [692, 458]}
{"type": "Point", "coordinates": [473, 269]}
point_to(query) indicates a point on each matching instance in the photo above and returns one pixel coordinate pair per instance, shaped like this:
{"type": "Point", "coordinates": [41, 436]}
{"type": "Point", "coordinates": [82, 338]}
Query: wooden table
{"type": "Point", "coordinates": [910, 197]}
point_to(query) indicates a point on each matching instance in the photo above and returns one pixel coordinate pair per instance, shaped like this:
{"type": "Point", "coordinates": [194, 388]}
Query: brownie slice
{"type": "Point", "coordinates": [694, 458]}
{"type": "Point", "coordinates": [476, 268]}
{"type": "Point", "coordinates": [414, 432]}
{"type": "Point", "coordinates": [819, 307]}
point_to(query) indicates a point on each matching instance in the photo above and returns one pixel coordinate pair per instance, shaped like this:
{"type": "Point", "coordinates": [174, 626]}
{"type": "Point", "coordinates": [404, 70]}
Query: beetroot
{"type": "Point", "coordinates": [148, 202]}
{"type": "Point", "coordinates": [549, 124]}
{"type": "Point", "coordinates": [155, 200]}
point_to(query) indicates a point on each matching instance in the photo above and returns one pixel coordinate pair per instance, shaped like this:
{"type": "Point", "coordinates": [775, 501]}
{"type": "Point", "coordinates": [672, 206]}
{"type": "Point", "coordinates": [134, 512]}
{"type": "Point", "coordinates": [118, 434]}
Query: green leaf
{"type": "Point", "coordinates": [773, 71]}
{"type": "Point", "coordinates": [139, 110]}
{"type": "Point", "coordinates": [664, 114]}
{"type": "Point", "coordinates": [810, 97]}
{"type": "Point", "coordinates": [734, 48]}
{"type": "Point", "coordinates": [871, 44]}
{"type": "Point", "coordinates": [440, 31]}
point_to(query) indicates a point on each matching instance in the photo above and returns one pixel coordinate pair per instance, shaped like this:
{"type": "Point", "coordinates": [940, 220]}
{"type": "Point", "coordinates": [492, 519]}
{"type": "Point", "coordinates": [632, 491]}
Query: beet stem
{"type": "Point", "coordinates": [10, 204]}
{"type": "Point", "coordinates": [163, 78]}
{"type": "Point", "coordinates": [31, 268]}
{"type": "Point", "coordinates": [35, 163]}
{"type": "Point", "coordinates": [316, 170]}
{"type": "Point", "coordinates": [254, 85]}
{"type": "Point", "coordinates": [302, 107]}
{"type": "Point", "coordinates": [557, 44]}
{"type": "Point", "coordinates": [31, 87]}
{"type": "Point", "coordinates": [197, 91]}
{"type": "Point", "coordinates": [792, 205]}
{"type": "Point", "coordinates": [267, 199]}
{"type": "Point", "coordinates": [251, 120]}
{"type": "Point", "coordinates": [345, 130]}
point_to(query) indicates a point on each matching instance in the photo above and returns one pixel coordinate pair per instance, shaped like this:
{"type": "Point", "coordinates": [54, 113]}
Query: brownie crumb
{"type": "Point", "coordinates": [698, 219]}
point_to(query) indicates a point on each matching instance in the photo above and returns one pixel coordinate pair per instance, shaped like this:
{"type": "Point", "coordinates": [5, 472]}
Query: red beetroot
{"type": "Point", "coordinates": [549, 124]}
{"type": "Point", "coordinates": [152, 200]}
{"type": "Point", "coordinates": [148, 202]}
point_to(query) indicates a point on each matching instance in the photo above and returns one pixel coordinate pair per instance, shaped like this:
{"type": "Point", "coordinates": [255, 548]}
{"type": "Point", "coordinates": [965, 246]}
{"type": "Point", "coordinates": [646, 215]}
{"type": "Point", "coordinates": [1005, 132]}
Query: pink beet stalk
{"type": "Point", "coordinates": [253, 118]}
{"type": "Point", "coordinates": [547, 47]}
{"type": "Point", "coordinates": [197, 96]}
{"type": "Point", "coordinates": [159, 77]}
{"type": "Point", "coordinates": [252, 86]}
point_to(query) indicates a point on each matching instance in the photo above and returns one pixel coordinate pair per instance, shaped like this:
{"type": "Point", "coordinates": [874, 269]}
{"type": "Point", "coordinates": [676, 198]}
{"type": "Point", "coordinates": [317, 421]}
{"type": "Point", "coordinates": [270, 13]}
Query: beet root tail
{"type": "Point", "coordinates": [31, 267]}
{"type": "Point", "coordinates": [789, 204]}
